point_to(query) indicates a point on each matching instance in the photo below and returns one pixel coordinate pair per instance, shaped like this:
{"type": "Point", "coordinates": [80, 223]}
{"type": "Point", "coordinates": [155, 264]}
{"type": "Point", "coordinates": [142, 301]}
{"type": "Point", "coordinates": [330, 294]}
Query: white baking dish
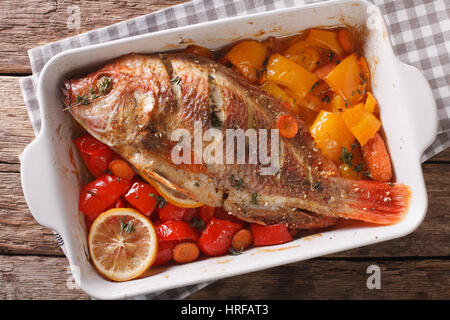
{"type": "Point", "coordinates": [51, 176]}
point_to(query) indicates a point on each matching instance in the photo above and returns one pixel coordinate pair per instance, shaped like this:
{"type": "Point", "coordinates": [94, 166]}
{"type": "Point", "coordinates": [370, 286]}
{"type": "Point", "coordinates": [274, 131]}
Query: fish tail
{"type": "Point", "coordinates": [377, 202]}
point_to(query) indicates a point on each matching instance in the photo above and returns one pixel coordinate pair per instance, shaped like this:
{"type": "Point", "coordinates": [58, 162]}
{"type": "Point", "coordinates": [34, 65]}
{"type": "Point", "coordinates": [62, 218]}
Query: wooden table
{"type": "Point", "coordinates": [33, 267]}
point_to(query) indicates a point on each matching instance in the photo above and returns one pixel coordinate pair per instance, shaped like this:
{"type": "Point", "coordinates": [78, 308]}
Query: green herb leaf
{"type": "Point", "coordinates": [197, 223]}
{"type": "Point", "coordinates": [215, 121]}
{"type": "Point", "coordinates": [254, 199]}
{"type": "Point", "coordinates": [83, 99]}
{"type": "Point", "coordinates": [160, 201]}
{"type": "Point", "coordinates": [126, 227]}
{"type": "Point", "coordinates": [236, 183]}
{"type": "Point", "coordinates": [103, 85]}
{"type": "Point", "coordinates": [235, 252]}
{"type": "Point", "coordinates": [326, 99]}
{"type": "Point", "coordinates": [331, 56]}
{"type": "Point", "coordinates": [314, 86]}
{"type": "Point", "coordinates": [359, 167]}
{"type": "Point", "coordinates": [318, 186]}
{"type": "Point", "coordinates": [176, 80]}
{"type": "Point", "coordinates": [346, 157]}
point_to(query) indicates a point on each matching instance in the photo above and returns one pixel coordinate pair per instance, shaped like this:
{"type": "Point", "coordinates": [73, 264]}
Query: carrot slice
{"type": "Point", "coordinates": [346, 40]}
{"type": "Point", "coordinates": [377, 159]}
{"type": "Point", "coordinates": [287, 125]}
{"type": "Point", "coordinates": [185, 252]}
{"type": "Point", "coordinates": [242, 240]}
{"type": "Point", "coordinates": [121, 169]}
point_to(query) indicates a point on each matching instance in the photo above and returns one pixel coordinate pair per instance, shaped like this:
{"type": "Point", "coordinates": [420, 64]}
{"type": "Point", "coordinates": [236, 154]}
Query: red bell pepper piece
{"type": "Point", "coordinates": [121, 203]}
{"type": "Point", "coordinates": [216, 238]}
{"type": "Point", "coordinates": [95, 154]}
{"type": "Point", "coordinates": [175, 230]}
{"type": "Point", "coordinates": [171, 212]}
{"type": "Point", "coordinates": [206, 213]}
{"type": "Point", "coordinates": [190, 214]}
{"type": "Point", "coordinates": [143, 197]}
{"type": "Point", "coordinates": [165, 253]}
{"type": "Point", "coordinates": [270, 234]}
{"type": "Point", "coordinates": [101, 194]}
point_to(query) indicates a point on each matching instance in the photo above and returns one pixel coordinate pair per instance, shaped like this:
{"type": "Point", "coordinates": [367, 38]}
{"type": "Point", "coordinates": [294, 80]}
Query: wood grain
{"type": "Point", "coordinates": [28, 24]}
{"type": "Point", "coordinates": [35, 277]}
{"type": "Point", "coordinates": [336, 279]}
{"type": "Point", "coordinates": [31, 277]}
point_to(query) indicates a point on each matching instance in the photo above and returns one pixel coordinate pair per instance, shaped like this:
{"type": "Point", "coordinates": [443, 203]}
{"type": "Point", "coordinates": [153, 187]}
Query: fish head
{"type": "Point", "coordinates": [94, 100]}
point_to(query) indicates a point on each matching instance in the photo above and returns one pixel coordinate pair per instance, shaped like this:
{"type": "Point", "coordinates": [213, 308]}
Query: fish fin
{"type": "Point", "coordinates": [377, 202]}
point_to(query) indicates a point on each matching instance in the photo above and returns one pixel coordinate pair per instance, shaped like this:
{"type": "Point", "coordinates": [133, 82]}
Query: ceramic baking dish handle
{"type": "Point", "coordinates": [422, 105]}
{"type": "Point", "coordinates": [36, 165]}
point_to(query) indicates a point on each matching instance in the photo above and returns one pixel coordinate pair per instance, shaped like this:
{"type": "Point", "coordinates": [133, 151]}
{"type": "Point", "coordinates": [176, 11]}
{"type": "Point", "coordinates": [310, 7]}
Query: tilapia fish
{"type": "Point", "coordinates": [136, 102]}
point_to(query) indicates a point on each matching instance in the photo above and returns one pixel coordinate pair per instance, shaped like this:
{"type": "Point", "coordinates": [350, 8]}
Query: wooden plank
{"type": "Point", "coordinates": [23, 277]}
{"type": "Point", "coordinates": [19, 232]}
{"type": "Point", "coordinates": [28, 24]}
{"type": "Point", "coordinates": [31, 277]}
{"type": "Point", "coordinates": [337, 279]}
{"type": "Point", "coordinates": [16, 131]}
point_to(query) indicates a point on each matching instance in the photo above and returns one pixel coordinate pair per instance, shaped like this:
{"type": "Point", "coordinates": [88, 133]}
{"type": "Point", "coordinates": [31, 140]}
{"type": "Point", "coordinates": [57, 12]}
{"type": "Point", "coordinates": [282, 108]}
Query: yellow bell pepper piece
{"type": "Point", "coordinates": [283, 71]}
{"type": "Point", "coordinates": [346, 80]}
{"type": "Point", "coordinates": [275, 91]}
{"type": "Point", "coordinates": [325, 39]}
{"type": "Point", "coordinates": [361, 123]}
{"type": "Point", "coordinates": [248, 57]}
{"type": "Point", "coordinates": [331, 134]}
{"type": "Point", "coordinates": [337, 103]}
{"type": "Point", "coordinates": [371, 103]}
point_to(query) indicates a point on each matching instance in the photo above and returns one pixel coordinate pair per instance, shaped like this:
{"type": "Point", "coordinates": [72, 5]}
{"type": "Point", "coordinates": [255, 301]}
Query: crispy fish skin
{"type": "Point", "coordinates": [151, 96]}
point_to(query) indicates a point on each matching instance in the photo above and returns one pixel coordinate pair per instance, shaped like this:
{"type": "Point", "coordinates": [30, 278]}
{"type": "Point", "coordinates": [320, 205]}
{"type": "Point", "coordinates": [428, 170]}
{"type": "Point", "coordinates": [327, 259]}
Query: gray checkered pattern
{"type": "Point", "coordinates": [420, 33]}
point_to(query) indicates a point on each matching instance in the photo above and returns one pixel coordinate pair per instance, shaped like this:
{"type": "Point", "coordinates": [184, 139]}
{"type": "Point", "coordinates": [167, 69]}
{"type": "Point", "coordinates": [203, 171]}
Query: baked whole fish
{"type": "Point", "coordinates": [135, 103]}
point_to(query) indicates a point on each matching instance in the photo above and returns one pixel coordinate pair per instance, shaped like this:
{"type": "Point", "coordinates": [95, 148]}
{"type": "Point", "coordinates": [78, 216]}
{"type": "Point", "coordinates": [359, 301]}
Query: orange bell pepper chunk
{"type": "Point", "coordinates": [337, 103]}
{"type": "Point", "coordinates": [331, 134]}
{"type": "Point", "coordinates": [200, 51]}
{"type": "Point", "coordinates": [346, 80]}
{"type": "Point", "coordinates": [365, 71]}
{"type": "Point", "coordinates": [275, 91]}
{"type": "Point", "coordinates": [248, 57]}
{"type": "Point", "coordinates": [371, 103]}
{"type": "Point", "coordinates": [361, 123]}
{"type": "Point", "coordinates": [325, 39]}
{"type": "Point", "coordinates": [283, 71]}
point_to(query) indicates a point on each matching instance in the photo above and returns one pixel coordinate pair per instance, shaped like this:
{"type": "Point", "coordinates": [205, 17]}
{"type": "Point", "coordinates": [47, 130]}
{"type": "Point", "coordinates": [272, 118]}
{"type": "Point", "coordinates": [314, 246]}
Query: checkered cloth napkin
{"type": "Point", "coordinates": [419, 29]}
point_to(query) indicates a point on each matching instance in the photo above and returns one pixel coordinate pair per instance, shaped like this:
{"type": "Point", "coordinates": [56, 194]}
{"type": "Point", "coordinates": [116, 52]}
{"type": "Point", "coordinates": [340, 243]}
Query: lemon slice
{"type": "Point", "coordinates": [122, 244]}
{"type": "Point", "coordinates": [174, 197]}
